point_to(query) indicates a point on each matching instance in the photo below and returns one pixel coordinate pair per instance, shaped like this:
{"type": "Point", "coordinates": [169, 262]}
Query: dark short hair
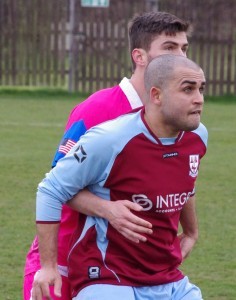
{"type": "Point", "coordinates": [144, 28]}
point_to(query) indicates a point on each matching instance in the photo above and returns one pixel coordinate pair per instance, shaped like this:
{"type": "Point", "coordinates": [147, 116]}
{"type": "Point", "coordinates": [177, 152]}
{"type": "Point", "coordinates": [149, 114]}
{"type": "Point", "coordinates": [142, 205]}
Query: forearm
{"type": "Point", "coordinates": [48, 214]}
{"type": "Point", "coordinates": [89, 204]}
{"type": "Point", "coordinates": [188, 219]}
{"type": "Point", "coordinates": [186, 244]}
{"type": "Point", "coordinates": [48, 275]}
{"type": "Point", "coordinates": [47, 235]}
{"type": "Point", "coordinates": [189, 223]}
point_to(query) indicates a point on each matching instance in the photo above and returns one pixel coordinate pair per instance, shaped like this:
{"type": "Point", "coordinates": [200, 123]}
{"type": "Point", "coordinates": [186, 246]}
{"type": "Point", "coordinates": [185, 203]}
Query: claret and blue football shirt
{"type": "Point", "coordinates": [123, 159]}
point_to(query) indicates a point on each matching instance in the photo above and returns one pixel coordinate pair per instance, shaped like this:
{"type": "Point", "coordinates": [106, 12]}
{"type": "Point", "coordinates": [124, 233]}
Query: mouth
{"type": "Point", "coordinates": [196, 112]}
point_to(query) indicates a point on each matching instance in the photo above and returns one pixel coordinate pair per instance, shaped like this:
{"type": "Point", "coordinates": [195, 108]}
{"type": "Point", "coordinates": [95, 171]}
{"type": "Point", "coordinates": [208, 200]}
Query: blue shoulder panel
{"type": "Point", "coordinates": [69, 139]}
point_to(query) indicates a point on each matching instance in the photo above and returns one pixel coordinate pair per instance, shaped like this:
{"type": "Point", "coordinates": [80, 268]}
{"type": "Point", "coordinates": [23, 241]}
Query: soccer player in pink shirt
{"type": "Point", "coordinates": [150, 35]}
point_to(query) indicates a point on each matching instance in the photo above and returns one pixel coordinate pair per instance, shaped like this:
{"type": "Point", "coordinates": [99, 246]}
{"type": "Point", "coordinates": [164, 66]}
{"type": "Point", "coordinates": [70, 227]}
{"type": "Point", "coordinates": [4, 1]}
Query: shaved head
{"type": "Point", "coordinates": [164, 68]}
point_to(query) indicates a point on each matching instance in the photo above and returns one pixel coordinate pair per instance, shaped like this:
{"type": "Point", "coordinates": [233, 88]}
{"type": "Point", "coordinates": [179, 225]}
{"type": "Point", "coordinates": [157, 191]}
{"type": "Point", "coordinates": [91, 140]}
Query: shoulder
{"type": "Point", "coordinates": [115, 132]}
{"type": "Point", "coordinates": [100, 98]}
{"type": "Point", "coordinates": [99, 107]}
{"type": "Point", "coordinates": [202, 132]}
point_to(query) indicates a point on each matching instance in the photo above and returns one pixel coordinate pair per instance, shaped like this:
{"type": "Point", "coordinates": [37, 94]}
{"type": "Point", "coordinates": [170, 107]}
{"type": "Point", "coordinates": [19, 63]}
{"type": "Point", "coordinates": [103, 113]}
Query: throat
{"type": "Point", "coordinates": [159, 129]}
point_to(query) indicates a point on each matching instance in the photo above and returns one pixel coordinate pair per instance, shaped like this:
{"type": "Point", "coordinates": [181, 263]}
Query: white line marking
{"type": "Point", "coordinates": [31, 124]}
{"type": "Point", "coordinates": [221, 129]}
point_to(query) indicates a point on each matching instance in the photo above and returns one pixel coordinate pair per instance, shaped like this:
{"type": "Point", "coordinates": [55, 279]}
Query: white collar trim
{"type": "Point", "coordinates": [130, 93]}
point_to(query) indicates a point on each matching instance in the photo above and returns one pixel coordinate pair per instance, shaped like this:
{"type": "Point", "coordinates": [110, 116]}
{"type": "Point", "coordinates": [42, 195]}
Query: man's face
{"type": "Point", "coordinates": [182, 100]}
{"type": "Point", "coordinates": [166, 44]}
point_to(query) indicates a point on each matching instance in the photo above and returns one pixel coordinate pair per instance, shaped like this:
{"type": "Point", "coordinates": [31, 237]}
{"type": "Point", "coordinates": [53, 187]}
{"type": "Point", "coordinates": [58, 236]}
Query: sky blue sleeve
{"type": "Point", "coordinates": [88, 162]}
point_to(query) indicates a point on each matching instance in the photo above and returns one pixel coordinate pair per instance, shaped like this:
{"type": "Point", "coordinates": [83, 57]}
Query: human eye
{"type": "Point", "coordinates": [188, 89]}
{"type": "Point", "coordinates": [202, 89]}
{"type": "Point", "coordinates": [169, 47]}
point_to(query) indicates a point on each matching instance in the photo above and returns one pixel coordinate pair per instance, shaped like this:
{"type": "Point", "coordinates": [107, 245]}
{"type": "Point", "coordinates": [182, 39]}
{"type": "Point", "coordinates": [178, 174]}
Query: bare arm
{"type": "Point", "coordinates": [48, 275]}
{"type": "Point", "coordinates": [188, 221]}
{"type": "Point", "coordinates": [118, 213]}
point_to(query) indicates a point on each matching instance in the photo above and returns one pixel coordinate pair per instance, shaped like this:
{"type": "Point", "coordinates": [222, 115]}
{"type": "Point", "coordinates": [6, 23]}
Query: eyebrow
{"type": "Point", "coordinates": [192, 82]}
{"type": "Point", "coordinates": [176, 44]}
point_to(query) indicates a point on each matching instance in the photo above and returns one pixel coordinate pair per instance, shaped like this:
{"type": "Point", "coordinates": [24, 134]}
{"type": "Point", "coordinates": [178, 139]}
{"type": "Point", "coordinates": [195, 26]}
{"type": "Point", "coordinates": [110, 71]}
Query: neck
{"type": "Point", "coordinates": [137, 80]}
{"type": "Point", "coordinates": [155, 123]}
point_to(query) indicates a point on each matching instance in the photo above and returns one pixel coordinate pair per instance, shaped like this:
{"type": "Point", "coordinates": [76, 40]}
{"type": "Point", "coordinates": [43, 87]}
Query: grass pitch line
{"type": "Point", "coordinates": [16, 124]}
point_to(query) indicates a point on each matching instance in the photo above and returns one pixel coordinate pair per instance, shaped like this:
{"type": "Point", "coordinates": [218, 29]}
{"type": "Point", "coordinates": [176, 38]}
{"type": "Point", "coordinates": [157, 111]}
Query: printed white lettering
{"type": "Point", "coordinates": [164, 204]}
{"type": "Point", "coordinates": [172, 200]}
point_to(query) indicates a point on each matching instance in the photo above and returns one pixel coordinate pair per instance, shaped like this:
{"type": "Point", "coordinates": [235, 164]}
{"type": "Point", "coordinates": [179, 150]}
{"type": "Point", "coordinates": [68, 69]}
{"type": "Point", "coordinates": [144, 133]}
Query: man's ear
{"type": "Point", "coordinates": [155, 95]}
{"type": "Point", "coordinates": [140, 57]}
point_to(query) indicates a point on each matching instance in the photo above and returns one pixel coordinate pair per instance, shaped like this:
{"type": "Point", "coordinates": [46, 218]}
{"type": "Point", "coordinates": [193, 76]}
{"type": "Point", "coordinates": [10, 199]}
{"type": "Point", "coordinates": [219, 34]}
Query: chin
{"type": "Point", "coordinates": [193, 127]}
{"type": "Point", "coordinates": [190, 127]}
{"type": "Point", "coordinates": [193, 124]}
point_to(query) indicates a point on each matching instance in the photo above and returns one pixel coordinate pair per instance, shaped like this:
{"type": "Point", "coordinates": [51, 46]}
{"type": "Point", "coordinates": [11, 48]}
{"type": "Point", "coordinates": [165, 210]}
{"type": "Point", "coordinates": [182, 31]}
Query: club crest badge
{"type": "Point", "coordinates": [193, 165]}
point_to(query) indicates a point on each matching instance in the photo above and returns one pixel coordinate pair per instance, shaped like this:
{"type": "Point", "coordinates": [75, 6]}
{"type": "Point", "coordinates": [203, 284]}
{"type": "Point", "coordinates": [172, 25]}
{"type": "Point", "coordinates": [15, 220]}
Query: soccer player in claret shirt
{"type": "Point", "coordinates": [150, 156]}
{"type": "Point", "coordinates": [150, 34]}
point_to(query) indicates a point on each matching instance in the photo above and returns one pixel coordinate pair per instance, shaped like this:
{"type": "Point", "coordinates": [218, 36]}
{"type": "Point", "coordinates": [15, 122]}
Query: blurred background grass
{"type": "Point", "coordinates": [32, 123]}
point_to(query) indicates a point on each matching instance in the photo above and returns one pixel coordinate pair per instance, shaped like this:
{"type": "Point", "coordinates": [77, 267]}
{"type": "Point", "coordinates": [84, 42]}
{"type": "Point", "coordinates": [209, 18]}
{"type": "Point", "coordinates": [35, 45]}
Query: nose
{"type": "Point", "coordinates": [199, 99]}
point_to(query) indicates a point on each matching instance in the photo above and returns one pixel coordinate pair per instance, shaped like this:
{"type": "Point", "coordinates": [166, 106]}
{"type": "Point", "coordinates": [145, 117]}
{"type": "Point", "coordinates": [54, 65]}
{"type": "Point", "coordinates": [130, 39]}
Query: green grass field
{"type": "Point", "coordinates": [31, 126]}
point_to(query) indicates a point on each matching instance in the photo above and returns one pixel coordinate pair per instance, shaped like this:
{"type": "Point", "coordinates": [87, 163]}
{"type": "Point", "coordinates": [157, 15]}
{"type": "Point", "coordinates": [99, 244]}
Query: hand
{"type": "Point", "coordinates": [186, 244]}
{"type": "Point", "coordinates": [118, 213]}
{"type": "Point", "coordinates": [42, 280]}
{"type": "Point", "coordinates": [125, 222]}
